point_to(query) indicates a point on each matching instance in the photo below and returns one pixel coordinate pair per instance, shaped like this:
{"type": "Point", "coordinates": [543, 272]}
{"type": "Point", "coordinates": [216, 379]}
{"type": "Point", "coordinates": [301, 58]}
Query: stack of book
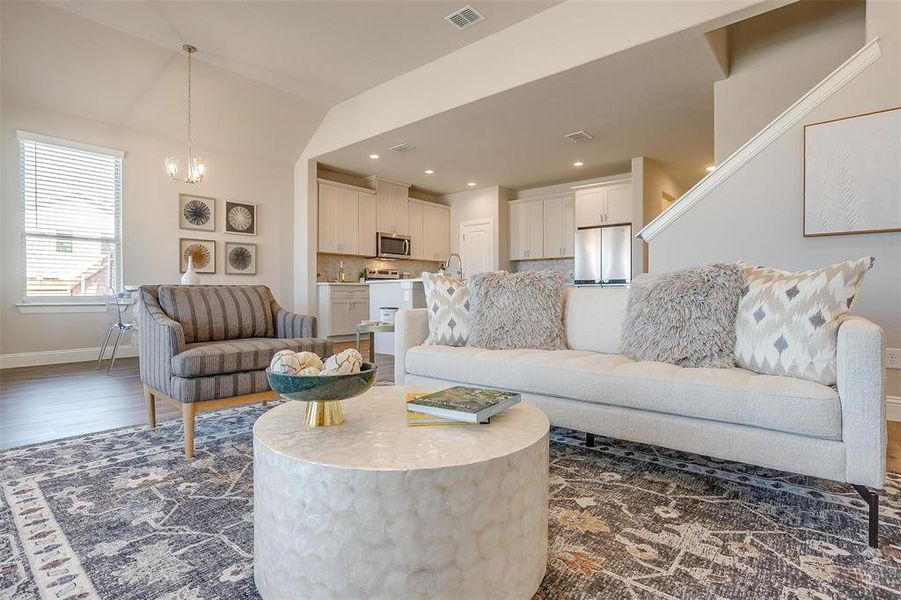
{"type": "Point", "coordinates": [458, 405]}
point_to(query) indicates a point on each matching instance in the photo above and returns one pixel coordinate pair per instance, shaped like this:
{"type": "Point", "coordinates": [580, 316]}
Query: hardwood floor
{"type": "Point", "coordinates": [51, 402]}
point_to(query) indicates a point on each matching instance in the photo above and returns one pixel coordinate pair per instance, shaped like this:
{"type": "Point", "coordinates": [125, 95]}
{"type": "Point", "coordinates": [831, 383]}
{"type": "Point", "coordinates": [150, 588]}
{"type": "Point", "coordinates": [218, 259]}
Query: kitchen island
{"type": "Point", "coordinates": [402, 294]}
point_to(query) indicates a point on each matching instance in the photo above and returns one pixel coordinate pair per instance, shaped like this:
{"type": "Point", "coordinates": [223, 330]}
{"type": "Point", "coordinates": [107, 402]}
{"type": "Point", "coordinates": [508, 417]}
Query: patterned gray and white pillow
{"type": "Point", "coordinates": [447, 301]}
{"type": "Point", "coordinates": [787, 323]}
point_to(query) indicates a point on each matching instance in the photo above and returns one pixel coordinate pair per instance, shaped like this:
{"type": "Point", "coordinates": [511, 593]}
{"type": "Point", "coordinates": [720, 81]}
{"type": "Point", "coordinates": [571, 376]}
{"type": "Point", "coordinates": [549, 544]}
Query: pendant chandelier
{"type": "Point", "coordinates": [196, 168]}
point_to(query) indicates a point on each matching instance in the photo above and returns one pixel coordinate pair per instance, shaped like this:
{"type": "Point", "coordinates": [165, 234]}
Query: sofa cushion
{"type": "Point", "coordinates": [727, 395]}
{"type": "Point", "coordinates": [685, 317]}
{"type": "Point", "coordinates": [447, 299]}
{"type": "Point", "coordinates": [210, 313]}
{"type": "Point", "coordinates": [517, 310]}
{"type": "Point", "coordinates": [788, 323]}
{"type": "Point", "coordinates": [235, 356]}
{"type": "Point", "coordinates": [593, 317]}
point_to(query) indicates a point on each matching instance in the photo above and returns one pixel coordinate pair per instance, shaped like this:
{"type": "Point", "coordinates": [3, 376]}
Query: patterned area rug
{"type": "Point", "coordinates": [121, 514]}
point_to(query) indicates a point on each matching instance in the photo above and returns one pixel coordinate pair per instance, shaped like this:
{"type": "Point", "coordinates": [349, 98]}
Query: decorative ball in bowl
{"type": "Point", "coordinates": [322, 388]}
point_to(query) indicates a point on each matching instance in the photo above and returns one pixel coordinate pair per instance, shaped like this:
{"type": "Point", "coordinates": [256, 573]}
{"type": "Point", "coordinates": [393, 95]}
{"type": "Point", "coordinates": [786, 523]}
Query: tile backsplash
{"type": "Point", "coordinates": [566, 266]}
{"type": "Point", "coordinates": [327, 266]}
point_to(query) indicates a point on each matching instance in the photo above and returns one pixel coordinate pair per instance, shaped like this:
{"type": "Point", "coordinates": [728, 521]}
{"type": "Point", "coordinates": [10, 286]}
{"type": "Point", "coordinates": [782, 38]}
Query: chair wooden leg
{"type": "Point", "coordinates": [150, 402]}
{"type": "Point", "coordinates": [187, 412]}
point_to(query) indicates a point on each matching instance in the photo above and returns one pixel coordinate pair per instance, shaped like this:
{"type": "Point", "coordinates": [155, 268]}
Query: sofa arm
{"type": "Point", "coordinates": [292, 325]}
{"type": "Point", "coordinates": [160, 339]}
{"type": "Point", "coordinates": [411, 328]}
{"type": "Point", "coordinates": [860, 374]}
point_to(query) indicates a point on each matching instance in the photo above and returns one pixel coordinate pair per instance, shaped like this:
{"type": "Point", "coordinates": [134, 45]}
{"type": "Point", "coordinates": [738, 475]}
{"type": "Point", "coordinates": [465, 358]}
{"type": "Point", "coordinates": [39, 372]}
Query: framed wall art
{"type": "Point", "coordinates": [241, 218]}
{"type": "Point", "coordinates": [852, 175]}
{"type": "Point", "coordinates": [202, 251]}
{"type": "Point", "coordinates": [196, 212]}
{"type": "Point", "coordinates": [240, 259]}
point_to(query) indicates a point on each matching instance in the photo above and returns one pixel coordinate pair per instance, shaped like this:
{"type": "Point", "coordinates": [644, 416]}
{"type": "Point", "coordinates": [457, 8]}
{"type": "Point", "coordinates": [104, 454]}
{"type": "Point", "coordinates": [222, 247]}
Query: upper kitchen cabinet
{"type": "Point", "coordinates": [526, 229]}
{"type": "Point", "coordinates": [435, 232]}
{"type": "Point", "coordinates": [414, 222]}
{"type": "Point", "coordinates": [391, 206]}
{"type": "Point", "coordinates": [346, 219]}
{"type": "Point", "coordinates": [604, 204]}
{"type": "Point", "coordinates": [367, 214]}
{"type": "Point", "coordinates": [559, 226]}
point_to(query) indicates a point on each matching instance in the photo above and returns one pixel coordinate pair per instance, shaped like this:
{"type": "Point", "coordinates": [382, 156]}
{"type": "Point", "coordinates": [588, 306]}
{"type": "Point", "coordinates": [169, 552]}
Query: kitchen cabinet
{"type": "Point", "coordinates": [414, 218]}
{"type": "Point", "coordinates": [609, 204]}
{"type": "Point", "coordinates": [526, 229]}
{"type": "Point", "coordinates": [559, 226]}
{"type": "Point", "coordinates": [435, 231]}
{"type": "Point", "coordinates": [346, 219]}
{"type": "Point", "coordinates": [391, 206]}
{"type": "Point", "coordinates": [367, 212]}
{"type": "Point", "coordinates": [341, 307]}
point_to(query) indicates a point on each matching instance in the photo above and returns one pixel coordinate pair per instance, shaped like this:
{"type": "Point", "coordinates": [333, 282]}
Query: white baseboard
{"type": "Point", "coordinates": [893, 408]}
{"type": "Point", "coordinates": [53, 357]}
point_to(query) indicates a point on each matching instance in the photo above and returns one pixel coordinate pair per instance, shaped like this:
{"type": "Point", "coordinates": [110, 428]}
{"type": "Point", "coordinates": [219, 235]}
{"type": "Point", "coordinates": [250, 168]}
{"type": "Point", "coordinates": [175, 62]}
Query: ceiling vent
{"type": "Point", "coordinates": [465, 17]}
{"type": "Point", "coordinates": [403, 148]}
{"type": "Point", "coordinates": [579, 136]}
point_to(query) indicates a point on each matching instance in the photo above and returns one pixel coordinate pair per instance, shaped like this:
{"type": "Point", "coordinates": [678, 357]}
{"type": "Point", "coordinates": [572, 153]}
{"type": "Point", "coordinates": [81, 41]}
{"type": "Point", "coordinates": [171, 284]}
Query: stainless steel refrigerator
{"type": "Point", "coordinates": [604, 255]}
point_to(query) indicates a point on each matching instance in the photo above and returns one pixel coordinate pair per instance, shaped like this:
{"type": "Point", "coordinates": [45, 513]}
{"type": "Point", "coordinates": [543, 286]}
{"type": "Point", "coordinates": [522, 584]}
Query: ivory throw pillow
{"type": "Point", "coordinates": [685, 318]}
{"type": "Point", "coordinates": [447, 300]}
{"type": "Point", "coordinates": [517, 310]}
{"type": "Point", "coordinates": [787, 323]}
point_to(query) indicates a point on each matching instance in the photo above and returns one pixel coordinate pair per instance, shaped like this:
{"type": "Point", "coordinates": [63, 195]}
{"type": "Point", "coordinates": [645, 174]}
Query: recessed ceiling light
{"type": "Point", "coordinates": [711, 168]}
{"type": "Point", "coordinates": [578, 163]}
{"type": "Point", "coordinates": [471, 184]}
{"type": "Point", "coordinates": [429, 171]}
{"type": "Point", "coordinates": [374, 156]}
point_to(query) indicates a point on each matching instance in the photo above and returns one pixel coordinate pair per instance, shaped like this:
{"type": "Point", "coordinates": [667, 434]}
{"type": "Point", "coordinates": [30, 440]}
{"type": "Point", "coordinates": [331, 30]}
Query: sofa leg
{"type": "Point", "coordinates": [150, 402]}
{"type": "Point", "coordinates": [187, 412]}
{"type": "Point", "coordinates": [872, 501]}
{"type": "Point", "coordinates": [589, 440]}
{"type": "Point", "coordinates": [265, 402]}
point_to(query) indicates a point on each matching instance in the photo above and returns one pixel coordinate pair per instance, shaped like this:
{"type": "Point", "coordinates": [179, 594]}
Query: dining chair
{"type": "Point", "coordinates": [114, 322]}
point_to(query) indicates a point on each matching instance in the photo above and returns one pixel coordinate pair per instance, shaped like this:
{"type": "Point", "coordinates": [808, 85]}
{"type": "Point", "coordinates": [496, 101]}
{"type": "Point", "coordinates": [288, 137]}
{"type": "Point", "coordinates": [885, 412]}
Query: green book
{"type": "Point", "coordinates": [460, 403]}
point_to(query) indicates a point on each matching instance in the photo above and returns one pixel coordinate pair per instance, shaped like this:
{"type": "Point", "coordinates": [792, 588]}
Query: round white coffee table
{"type": "Point", "coordinates": [376, 509]}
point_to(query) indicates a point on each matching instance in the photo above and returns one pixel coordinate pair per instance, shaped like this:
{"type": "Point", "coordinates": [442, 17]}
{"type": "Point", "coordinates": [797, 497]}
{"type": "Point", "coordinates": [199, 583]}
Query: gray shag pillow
{"type": "Point", "coordinates": [685, 318]}
{"type": "Point", "coordinates": [517, 310]}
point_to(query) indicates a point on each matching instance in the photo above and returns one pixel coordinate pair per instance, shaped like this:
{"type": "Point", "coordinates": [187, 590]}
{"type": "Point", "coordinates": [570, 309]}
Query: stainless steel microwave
{"type": "Point", "coordinates": [394, 246]}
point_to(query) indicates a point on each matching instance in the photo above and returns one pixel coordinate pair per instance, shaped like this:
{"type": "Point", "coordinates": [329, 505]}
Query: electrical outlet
{"type": "Point", "coordinates": [893, 358]}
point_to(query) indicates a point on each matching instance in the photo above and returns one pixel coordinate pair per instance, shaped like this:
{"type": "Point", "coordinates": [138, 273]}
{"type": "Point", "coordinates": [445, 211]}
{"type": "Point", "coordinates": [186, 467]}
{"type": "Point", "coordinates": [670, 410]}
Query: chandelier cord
{"type": "Point", "coordinates": [190, 157]}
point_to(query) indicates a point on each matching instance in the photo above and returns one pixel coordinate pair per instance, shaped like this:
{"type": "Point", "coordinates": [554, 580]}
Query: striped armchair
{"type": "Point", "coordinates": [207, 346]}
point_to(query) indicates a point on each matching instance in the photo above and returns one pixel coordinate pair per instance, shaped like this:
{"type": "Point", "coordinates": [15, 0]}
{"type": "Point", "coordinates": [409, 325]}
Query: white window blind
{"type": "Point", "coordinates": [71, 197]}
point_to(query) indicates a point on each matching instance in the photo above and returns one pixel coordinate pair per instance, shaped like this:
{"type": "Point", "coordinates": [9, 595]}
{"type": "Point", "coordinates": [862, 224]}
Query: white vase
{"type": "Point", "coordinates": [190, 277]}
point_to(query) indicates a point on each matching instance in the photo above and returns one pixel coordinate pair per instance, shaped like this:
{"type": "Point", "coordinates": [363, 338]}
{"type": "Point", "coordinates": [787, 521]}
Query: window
{"type": "Point", "coordinates": [71, 198]}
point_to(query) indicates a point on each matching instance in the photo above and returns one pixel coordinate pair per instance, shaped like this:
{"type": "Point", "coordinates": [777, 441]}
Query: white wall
{"type": "Point", "coordinates": [756, 214]}
{"type": "Point", "coordinates": [69, 78]}
{"type": "Point", "coordinates": [775, 58]}
{"type": "Point", "coordinates": [650, 181]}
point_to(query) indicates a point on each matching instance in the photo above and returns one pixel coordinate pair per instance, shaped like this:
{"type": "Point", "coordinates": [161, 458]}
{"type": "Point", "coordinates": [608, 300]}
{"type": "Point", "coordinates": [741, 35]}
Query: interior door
{"type": "Point", "coordinates": [476, 243]}
{"type": "Point", "coordinates": [553, 227]}
{"type": "Point", "coordinates": [619, 204]}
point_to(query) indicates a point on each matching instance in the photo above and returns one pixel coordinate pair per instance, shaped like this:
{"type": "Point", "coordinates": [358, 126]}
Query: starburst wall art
{"type": "Point", "coordinates": [196, 212]}
{"type": "Point", "coordinates": [240, 259]}
{"type": "Point", "coordinates": [202, 251]}
{"type": "Point", "coordinates": [240, 217]}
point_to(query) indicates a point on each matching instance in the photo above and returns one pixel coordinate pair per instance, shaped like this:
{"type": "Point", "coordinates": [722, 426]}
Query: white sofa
{"type": "Point", "coordinates": [733, 414]}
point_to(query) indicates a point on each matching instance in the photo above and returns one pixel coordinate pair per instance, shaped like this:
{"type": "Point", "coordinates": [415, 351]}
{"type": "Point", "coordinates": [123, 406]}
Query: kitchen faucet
{"type": "Point", "coordinates": [447, 263]}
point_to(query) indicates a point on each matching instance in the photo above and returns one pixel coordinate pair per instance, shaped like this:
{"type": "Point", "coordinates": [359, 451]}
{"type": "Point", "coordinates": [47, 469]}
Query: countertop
{"type": "Point", "coordinates": [370, 282]}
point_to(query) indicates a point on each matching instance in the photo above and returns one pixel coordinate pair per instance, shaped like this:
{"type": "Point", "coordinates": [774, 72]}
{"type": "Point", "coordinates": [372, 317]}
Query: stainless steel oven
{"type": "Point", "coordinates": [394, 246]}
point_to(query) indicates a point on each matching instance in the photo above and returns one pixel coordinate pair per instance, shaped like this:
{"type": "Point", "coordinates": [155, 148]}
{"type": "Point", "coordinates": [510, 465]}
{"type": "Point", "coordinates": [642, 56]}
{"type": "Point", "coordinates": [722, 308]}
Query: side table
{"type": "Point", "coordinates": [372, 330]}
